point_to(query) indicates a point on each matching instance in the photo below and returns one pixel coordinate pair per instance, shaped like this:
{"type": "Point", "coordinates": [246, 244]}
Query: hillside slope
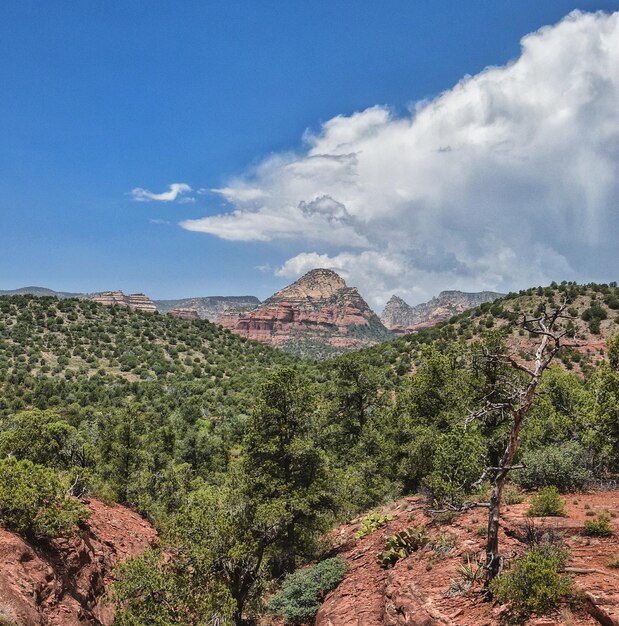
{"type": "Point", "coordinates": [429, 586]}
{"type": "Point", "coordinates": [593, 310]}
{"type": "Point", "coordinates": [63, 583]}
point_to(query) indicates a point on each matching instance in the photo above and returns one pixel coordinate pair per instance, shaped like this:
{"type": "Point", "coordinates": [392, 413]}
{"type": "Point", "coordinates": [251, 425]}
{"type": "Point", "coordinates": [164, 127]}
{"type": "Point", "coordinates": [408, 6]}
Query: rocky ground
{"type": "Point", "coordinates": [427, 588]}
{"type": "Point", "coordinates": [63, 583]}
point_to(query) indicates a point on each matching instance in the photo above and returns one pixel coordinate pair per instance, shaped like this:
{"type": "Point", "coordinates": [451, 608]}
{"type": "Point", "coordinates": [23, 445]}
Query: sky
{"type": "Point", "coordinates": [227, 147]}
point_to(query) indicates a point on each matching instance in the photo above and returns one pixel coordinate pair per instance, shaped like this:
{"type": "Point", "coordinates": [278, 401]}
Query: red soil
{"type": "Point", "coordinates": [415, 591]}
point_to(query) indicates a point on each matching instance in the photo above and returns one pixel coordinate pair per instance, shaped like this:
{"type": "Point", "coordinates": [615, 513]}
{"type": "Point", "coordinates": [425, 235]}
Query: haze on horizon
{"type": "Point", "coordinates": [230, 149]}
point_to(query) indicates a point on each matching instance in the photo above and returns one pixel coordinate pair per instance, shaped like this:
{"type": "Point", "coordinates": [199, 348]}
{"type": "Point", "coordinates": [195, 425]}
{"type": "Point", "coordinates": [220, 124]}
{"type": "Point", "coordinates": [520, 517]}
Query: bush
{"type": "Point", "coordinates": [511, 495]}
{"type": "Point", "coordinates": [33, 500]}
{"type": "Point", "coordinates": [534, 583]}
{"type": "Point", "coordinates": [560, 466]}
{"type": "Point", "coordinates": [547, 503]}
{"type": "Point", "coordinates": [400, 545]}
{"type": "Point", "coordinates": [599, 527]}
{"type": "Point", "coordinates": [302, 591]}
{"type": "Point", "coordinates": [372, 522]}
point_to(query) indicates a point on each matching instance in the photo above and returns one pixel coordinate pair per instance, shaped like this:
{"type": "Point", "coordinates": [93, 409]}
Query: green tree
{"type": "Point", "coordinates": [282, 466]}
{"type": "Point", "coordinates": [34, 501]}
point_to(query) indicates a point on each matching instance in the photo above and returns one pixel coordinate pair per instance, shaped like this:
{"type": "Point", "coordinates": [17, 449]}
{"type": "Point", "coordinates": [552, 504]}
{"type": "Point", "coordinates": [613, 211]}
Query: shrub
{"type": "Point", "coordinates": [444, 544]}
{"type": "Point", "coordinates": [371, 522]}
{"type": "Point", "coordinates": [547, 503]}
{"type": "Point", "coordinates": [534, 584]}
{"type": "Point", "coordinates": [599, 527]}
{"type": "Point", "coordinates": [400, 545]}
{"type": "Point", "coordinates": [511, 495]}
{"type": "Point", "coordinates": [33, 500]}
{"type": "Point", "coordinates": [301, 593]}
{"type": "Point", "coordinates": [560, 466]}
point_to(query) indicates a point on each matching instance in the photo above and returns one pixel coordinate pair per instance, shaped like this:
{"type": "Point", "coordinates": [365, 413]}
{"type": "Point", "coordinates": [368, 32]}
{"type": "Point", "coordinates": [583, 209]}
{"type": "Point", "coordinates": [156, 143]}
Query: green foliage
{"type": "Point", "coordinates": [547, 503]}
{"type": "Point", "coordinates": [458, 463]}
{"type": "Point", "coordinates": [150, 591]}
{"type": "Point", "coordinates": [534, 584]}
{"type": "Point", "coordinates": [562, 466]}
{"type": "Point", "coordinates": [43, 437]}
{"type": "Point", "coordinates": [511, 495]}
{"type": "Point", "coordinates": [403, 543]}
{"type": "Point", "coordinates": [301, 593]}
{"type": "Point", "coordinates": [372, 522]}
{"type": "Point", "coordinates": [282, 466]}
{"type": "Point", "coordinates": [599, 527]}
{"type": "Point", "coordinates": [33, 501]}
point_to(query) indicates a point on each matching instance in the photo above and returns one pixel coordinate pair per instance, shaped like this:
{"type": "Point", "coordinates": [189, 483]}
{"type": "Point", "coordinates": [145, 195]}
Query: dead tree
{"type": "Point", "coordinates": [516, 405]}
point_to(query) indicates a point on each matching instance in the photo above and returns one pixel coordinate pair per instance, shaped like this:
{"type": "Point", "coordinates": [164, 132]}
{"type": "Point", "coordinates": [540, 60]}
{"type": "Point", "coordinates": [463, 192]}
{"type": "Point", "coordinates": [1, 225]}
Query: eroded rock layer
{"type": "Point", "coordinates": [134, 301]}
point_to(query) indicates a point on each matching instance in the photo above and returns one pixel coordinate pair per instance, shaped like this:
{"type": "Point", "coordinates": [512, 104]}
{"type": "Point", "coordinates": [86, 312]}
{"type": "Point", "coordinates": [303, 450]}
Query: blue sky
{"type": "Point", "coordinates": [101, 98]}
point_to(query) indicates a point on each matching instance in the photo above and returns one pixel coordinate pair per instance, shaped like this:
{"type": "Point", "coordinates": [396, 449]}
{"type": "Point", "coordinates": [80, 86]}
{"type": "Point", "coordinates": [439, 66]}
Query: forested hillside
{"type": "Point", "coordinates": [245, 457]}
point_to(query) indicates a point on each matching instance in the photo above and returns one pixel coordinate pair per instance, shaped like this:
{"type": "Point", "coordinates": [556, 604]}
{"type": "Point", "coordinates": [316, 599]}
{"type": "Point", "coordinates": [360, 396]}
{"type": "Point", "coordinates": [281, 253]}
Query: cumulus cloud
{"type": "Point", "coordinates": [510, 178]}
{"type": "Point", "coordinates": [175, 190]}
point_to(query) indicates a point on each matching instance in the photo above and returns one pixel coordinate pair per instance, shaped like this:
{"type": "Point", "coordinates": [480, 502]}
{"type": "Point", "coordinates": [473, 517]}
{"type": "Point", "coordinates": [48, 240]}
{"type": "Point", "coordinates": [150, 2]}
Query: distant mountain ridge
{"type": "Point", "coordinates": [39, 291]}
{"type": "Point", "coordinates": [205, 307]}
{"type": "Point", "coordinates": [208, 307]}
{"type": "Point", "coordinates": [400, 317]}
{"type": "Point", "coordinates": [316, 316]}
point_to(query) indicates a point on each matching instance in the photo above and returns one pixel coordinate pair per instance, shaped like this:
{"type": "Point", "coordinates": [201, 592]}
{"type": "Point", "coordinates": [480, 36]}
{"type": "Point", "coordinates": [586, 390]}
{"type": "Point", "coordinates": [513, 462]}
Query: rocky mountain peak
{"type": "Point", "coordinates": [400, 317]}
{"type": "Point", "coordinates": [317, 316]}
{"type": "Point", "coordinates": [317, 284]}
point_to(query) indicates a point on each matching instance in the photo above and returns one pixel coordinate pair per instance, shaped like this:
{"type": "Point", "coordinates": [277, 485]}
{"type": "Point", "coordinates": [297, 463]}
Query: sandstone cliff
{"type": "Point", "coordinates": [316, 316]}
{"type": "Point", "coordinates": [402, 318]}
{"type": "Point", "coordinates": [63, 583]}
{"type": "Point", "coordinates": [134, 301]}
{"type": "Point", "coordinates": [209, 307]}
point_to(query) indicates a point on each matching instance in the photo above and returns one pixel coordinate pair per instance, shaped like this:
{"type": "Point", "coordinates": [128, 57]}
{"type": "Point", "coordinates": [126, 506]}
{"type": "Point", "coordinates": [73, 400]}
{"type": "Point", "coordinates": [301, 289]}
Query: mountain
{"type": "Point", "coordinates": [38, 291]}
{"type": "Point", "coordinates": [401, 318]}
{"type": "Point", "coordinates": [209, 307]}
{"type": "Point", "coordinates": [317, 316]}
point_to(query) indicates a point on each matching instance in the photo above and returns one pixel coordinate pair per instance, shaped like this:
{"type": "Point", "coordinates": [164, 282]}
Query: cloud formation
{"type": "Point", "coordinates": [175, 190]}
{"type": "Point", "coordinates": [510, 178]}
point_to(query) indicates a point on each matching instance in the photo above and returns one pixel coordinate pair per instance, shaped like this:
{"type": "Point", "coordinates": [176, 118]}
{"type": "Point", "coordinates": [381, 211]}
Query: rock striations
{"type": "Point", "coordinates": [317, 316]}
{"type": "Point", "coordinates": [134, 301]}
{"type": "Point", "coordinates": [401, 318]}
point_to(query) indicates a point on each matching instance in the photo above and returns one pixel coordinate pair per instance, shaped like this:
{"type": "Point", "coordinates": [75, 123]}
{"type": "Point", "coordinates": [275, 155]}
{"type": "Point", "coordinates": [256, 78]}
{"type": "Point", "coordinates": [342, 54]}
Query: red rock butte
{"type": "Point", "coordinates": [315, 316]}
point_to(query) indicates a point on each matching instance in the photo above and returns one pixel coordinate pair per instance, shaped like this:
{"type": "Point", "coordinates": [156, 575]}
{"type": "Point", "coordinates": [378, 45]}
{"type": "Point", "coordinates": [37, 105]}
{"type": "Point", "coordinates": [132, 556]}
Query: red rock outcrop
{"type": "Point", "coordinates": [63, 583]}
{"type": "Point", "coordinates": [315, 316]}
{"type": "Point", "coordinates": [134, 301]}
{"type": "Point", "coordinates": [427, 588]}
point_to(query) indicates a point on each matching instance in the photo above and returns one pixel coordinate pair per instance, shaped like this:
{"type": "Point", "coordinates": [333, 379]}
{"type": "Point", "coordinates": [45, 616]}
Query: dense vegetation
{"type": "Point", "coordinates": [244, 457]}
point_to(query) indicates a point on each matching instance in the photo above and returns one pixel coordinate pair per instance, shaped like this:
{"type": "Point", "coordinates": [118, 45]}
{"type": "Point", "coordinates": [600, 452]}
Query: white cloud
{"type": "Point", "coordinates": [510, 178]}
{"type": "Point", "coordinates": [175, 190]}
